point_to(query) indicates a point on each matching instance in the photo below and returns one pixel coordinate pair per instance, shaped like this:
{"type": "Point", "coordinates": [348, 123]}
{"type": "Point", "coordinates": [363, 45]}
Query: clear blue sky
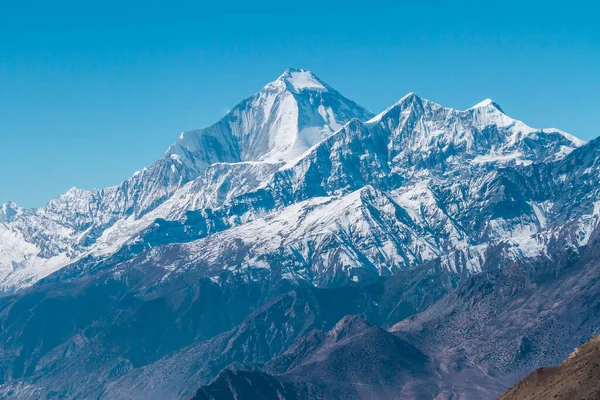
{"type": "Point", "coordinates": [89, 93]}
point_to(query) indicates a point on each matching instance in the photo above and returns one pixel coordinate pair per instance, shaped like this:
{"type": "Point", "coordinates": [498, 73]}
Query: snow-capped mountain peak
{"type": "Point", "coordinates": [286, 117]}
{"type": "Point", "coordinates": [428, 133]}
{"type": "Point", "coordinates": [488, 103]}
{"type": "Point", "coordinates": [297, 80]}
{"type": "Point", "coordinates": [9, 211]}
{"type": "Point", "coordinates": [406, 99]}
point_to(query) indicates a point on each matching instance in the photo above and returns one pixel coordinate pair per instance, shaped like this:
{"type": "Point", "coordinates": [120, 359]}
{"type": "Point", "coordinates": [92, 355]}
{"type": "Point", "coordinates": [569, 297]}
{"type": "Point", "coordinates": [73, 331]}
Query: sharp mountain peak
{"type": "Point", "coordinates": [297, 80]}
{"type": "Point", "coordinates": [487, 103]}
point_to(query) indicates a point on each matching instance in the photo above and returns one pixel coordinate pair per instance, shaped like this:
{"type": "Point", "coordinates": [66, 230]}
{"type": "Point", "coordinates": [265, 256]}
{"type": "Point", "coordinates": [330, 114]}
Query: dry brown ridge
{"type": "Point", "coordinates": [577, 378]}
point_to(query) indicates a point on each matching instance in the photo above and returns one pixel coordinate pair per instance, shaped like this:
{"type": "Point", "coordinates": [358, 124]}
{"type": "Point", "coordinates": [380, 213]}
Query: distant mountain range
{"type": "Point", "coordinates": [302, 247]}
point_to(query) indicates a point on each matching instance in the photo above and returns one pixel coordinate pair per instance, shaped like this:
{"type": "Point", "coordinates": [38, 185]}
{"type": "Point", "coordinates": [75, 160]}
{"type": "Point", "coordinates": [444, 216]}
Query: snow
{"type": "Point", "coordinates": [502, 228]}
{"type": "Point", "coordinates": [20, 265]}
{"type": "Point", "coordinates": [301, 79]}
{"type": "Point", "coordinates": [472, 257]}
{"type": "Point", "coordinates": [338, 231]}
{"type": "Point", "coordinates": [289, 128]}
{"type": "Point", "coordinates": [574, 139]}
{"type": "Point", "coordinates": [283, 133]}
{"type": "Point", "coordinates": [586, 226]}
{"type": "Point", "coordinates": [404, 99]}
{"type": "Point", "coordinates": [484, 103]}
{"type": "Point", "coordinates": [10, 211]}
{"type": "Point", "coordinates": [563, 152]}
{"type": "Point", "coordinates": [562, 177]}
{"type": "Point", "coordinates": [539, 214]}
{"type": "Point", "coordinates": [528, 247]}
{"type": "Point", "coordinates": [413, 199]}
{"type": "Point", "coordinates": [495, 157]}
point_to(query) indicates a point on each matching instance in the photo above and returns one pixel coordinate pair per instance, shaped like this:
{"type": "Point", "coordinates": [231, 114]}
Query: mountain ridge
{"type": "Point", "coordinates": [415, 221]}
{"type": "Point", "coordinates": [72, 222]}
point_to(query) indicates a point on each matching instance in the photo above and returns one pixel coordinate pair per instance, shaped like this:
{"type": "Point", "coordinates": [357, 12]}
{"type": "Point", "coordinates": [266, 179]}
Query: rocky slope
{"type": "Point", "coordinates": [576, 378]}
{"type": "Point", "coordinates": [352, 360]}
{"type": "Point", "coordinates": [478, 340]}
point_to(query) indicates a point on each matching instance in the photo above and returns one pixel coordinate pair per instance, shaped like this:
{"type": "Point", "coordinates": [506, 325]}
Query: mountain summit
{"type": "Point", "coordinates": [297, 80]}
{"type": "Point", "coordinates": [285, 118]}
{"type": "Point", "coordinates": [9, 211]}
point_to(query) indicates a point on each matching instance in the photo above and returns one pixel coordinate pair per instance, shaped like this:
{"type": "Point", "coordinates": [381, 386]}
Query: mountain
{"type": "Point", "coordinates": [415, 142]}
{"type": "Point", "coordinates": [331, 369]}
{"type": "Point", "coordinates": [359, 200]}
{"type": "Point", "coordinates": [300, 236]}
{"type": "Point", "coordinates": [10, 211]}
{"type": "Point", "coordinates": [270, 330]}
{"type": "Point", "coordinates": [478, 339]}
{"type": "Point", "coordinates": [276, 124]}
{"type": "Point", "coordinates": [576, 378]}
{"type": "Point", "coordinates": [511, 320]}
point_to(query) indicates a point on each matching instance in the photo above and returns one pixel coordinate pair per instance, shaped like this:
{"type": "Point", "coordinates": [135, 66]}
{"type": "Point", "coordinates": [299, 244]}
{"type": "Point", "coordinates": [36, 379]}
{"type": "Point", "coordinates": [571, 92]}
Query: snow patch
{"type": "Point", "coordinates": [563, 152]}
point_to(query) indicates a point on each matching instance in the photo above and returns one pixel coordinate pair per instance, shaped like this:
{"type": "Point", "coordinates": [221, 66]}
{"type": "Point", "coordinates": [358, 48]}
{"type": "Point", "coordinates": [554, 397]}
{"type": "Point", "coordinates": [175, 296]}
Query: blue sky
{"type": "Point", "coordinates": [89, 93]}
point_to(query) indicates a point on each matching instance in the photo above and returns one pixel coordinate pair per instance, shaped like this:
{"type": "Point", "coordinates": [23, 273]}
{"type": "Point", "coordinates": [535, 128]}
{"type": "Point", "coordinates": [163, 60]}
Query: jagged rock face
{"type": "Point", "coordinates": [371, 232]}
{"type": "Point", "coordinates": [211, 257]}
